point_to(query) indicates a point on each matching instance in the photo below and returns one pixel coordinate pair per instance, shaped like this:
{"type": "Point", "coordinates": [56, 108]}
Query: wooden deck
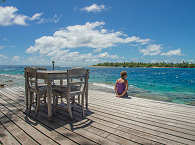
{"type": "Point", "coordinates": [110, 121]}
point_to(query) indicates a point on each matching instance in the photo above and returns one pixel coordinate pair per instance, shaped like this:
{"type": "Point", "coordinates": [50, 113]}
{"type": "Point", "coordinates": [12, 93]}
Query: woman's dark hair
{"type": "Point", "coordinates": [123, 73]}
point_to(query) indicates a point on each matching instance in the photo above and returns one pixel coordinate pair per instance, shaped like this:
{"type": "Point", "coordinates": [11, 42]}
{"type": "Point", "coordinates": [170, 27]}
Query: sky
{"type": "Point", "coordinates": [86, 32]}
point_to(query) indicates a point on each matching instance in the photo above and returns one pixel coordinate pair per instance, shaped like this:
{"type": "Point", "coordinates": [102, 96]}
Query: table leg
{"type": "Point", "coordinates": [86, 95]}
{"type": "Point", "coordinates": [26, 97]}
{"type": "Point", "coordinates": [69, 106]}
{"type": "Point", "coordinates": [49, 95]}
{"type": "Point", "coordinates": [26, 92]}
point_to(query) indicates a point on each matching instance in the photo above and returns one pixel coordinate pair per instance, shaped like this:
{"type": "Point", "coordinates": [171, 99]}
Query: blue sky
{"type": "Point", "coordinates": [85, 32]}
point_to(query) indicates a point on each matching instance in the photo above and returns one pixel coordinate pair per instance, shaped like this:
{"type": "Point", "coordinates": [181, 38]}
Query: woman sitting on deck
{"type": "Point", "coordinates": [121, 85]}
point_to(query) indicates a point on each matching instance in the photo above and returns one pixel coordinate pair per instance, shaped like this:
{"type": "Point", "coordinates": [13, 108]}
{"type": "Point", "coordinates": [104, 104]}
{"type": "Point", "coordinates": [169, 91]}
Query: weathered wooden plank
{"type": "Point", "coordinates": [133, 128]}
{"type": "Point", "coordinates": [95, 137]}
{"type": "Point", "coordinates": [131, 109]}
{"type": "Point", "coordinates": [157, 112]}
{"type": "Point", "coordinates": [100, 140]}
{"type": "Point", "coordinates": [124, 126]}
{"type": "Point", "coordinates": [141, 100]}
{"type": "Point", "coordinates": [103, 125]}
{"type": "Point", "coordinates": [172, 135]}
{"type": "Point", "coordinates": [128, 115]}
{"type": "Point", "coordinates": [150, 117]}
{"type": "Point", "coordinates": [18, 133]}
{"type": "Point", "coordinates": [6, 138]}
{"type": "Point", "coordinates": [150, 114]}
{"type": "Point", "coordinates": [38, 136]}
{"type": "Point", "coordinates": [175, 127]}
{"type": "Point", "coordinates": [42, 127]}
{"type": "Point", "coordinates": [175, 108]}
{"type": "Point", "coordinates": [165, 103]}
{"type": "Point", "coordinates": [140, 139]}
{"type": "Point", "coordinates": [137, 138]}
{"type": "Point", "coordinates": [154, 102]}
{"type": "Point", "coordinates": [145, 104]}
{"type": "Point", "coordinates": [58, 128]}
{"type": "Point", "coordinates": [120, 101]}
{"type": "Point", "coordinates": [51, 75]}
{"type": "Point", "coordinates": [137, 116]}
{"type": "Point", "coordinates": [82, 134]}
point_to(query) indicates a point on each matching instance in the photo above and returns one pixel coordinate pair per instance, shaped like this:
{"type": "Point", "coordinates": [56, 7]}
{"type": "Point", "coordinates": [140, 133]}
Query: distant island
{"type": "Point", "coordinates": [148, 65]}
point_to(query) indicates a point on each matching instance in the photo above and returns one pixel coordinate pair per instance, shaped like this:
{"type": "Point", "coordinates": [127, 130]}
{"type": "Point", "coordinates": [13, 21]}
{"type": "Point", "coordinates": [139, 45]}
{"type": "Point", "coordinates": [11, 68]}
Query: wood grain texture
{"type": "Point", "coordinates": [109, 120]}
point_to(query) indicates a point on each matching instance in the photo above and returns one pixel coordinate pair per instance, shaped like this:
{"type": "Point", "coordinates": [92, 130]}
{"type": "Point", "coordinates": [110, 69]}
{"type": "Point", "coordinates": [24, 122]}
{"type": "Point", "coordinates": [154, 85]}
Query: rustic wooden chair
{"type": "Point", "coordinates": [77, 83]}
{"type": "Point", "coordinates": [36, 91]}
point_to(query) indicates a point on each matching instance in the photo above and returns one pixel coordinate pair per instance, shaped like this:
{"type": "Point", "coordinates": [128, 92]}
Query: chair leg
{"type": "Point", "coordinates": [61, 99]}
{"type": "Point", "coordinates": [73, 100]}
{"type": "Point", "coordinates": [44, 99]}
{"type": "Point", "coordinates": [86, 101]}
{"type": "Point", "coordinates": [69, 106]}
{"type": "Point", "coordinates": [30, 101]}
{"type": "Point", "coordinates": [73, 103]}
{"type": "Point", "coordinates": [82, 102]}
{"type": "Point", "coordinates": [37, 104]}
{"type": "Point", "coordinates": [79, 101]}
{"type": "Point", "coordinates": [55, 102]}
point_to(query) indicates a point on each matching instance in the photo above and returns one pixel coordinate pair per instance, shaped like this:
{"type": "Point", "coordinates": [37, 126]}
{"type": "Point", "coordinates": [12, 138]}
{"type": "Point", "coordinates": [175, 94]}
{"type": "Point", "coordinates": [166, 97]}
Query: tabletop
{"type": "Point", "coordinates": [52, 75]}
{"type": "Point", "coordinates": [51, 71]}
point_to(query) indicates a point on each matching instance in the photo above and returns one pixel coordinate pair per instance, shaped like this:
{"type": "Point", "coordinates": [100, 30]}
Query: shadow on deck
{"type": "Point", "coordinates": [60, 118]}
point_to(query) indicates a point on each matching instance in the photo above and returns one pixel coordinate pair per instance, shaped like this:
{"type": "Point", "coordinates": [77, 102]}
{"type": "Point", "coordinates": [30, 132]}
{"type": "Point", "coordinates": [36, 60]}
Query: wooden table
{"type": "Point", "coordinates": [49, 77]}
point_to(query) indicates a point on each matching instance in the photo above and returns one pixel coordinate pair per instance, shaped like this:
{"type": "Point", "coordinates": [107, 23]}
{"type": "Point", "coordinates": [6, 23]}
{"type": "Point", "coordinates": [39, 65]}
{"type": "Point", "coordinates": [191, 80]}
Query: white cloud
{"type": "Point", "coordinates": [37, 60]}
{"type": "Point", "coordinates": [106, 55]}
{"type": "Point", "coordinates": [103, 55]}
{"type": "Point", "coordinates": [97, 50]}
{"type": "Point", "coordinates": [16, 58]}
{"type": "Point", "coordinates": [74, 58]}
{"type": "Point", "coordinates": [90, 35]}
{"type": "Point", "coordinates": [156, 49]}
{"type": "Point", "coordinates": [173, 52]}
{"type": "Point", "coordinates": [3, 57]}
{"type": "Point", "coordinates": [152, 49]}
{"type": "Point", "coordinates": [143, 41]}
{"type": "Point", "coordinates": [55, 19]}
{"type": "Point", "coordinates": [62, 45]}
{"type": "Point", "coordinates": [36, 16]}
{"type": "Point", "coordinates": [9, 16]}
{"type": "Point", "coordinates": [94, 8]}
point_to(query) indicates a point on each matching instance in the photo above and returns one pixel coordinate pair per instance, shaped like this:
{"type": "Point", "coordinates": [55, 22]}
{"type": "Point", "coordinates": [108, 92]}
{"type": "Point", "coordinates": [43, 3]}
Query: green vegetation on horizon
{"type": "Point", "coordinates": [142, 64]}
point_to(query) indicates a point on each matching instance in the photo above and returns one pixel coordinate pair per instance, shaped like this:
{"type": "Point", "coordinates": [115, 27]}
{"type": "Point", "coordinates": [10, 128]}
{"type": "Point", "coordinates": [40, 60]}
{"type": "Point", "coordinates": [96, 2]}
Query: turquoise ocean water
{"type": "Point", "coordinates": [168, 84]}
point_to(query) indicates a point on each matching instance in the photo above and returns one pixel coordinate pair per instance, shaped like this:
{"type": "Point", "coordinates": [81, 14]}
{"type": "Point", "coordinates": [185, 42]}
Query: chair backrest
{"type": "Point", "coordinates": [77, 78]}
{"type": "Point", "coordinates": [31, 76]}
{"type": "Point", "coordinates": [78, 73]}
